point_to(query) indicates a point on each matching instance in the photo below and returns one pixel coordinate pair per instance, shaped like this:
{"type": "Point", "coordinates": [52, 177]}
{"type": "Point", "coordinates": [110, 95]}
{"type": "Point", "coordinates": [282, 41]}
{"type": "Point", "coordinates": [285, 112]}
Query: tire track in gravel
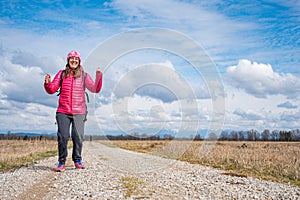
{"type": "Point", "coordinates": [38, 190]}
{"type": "Point", "coordinates": [27, 182]}
{"type": "Point", "coordinates": [44, 182]}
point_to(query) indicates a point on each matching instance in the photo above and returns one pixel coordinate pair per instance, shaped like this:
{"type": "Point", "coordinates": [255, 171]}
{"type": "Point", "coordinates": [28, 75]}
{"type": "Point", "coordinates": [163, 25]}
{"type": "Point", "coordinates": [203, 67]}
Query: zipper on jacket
{"type": "Point", "coordinates": [72, 82]}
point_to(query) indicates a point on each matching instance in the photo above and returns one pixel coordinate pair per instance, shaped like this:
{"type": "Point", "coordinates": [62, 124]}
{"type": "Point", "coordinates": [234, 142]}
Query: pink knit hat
{"type": "Point", "coordinates": [73, 54]}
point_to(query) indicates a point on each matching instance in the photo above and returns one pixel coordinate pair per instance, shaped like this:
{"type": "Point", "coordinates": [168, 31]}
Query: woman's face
{"type": "Point", "coordinates": [74, 62]}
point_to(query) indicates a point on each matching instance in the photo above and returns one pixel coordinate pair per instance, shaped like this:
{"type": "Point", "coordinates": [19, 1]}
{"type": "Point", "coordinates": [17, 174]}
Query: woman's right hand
{"type": "Point", "coordinates": [47, 78]}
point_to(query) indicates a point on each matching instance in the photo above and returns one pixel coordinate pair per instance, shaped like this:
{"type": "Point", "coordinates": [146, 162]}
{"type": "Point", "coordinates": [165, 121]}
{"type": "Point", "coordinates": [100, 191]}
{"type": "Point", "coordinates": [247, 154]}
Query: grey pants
{"type": "Point", "coordinates": [64, 122]}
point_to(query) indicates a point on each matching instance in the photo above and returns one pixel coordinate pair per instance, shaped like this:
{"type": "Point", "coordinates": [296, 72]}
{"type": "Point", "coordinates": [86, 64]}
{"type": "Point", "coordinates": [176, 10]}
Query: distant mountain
{"type": "Point", "coordinates": [33, 134]}
{"type": "Point", "coordinates": [151, 132]}
{"type": "Point", "coordinates": [141, 132]}
{"type": "Point", "coordinates": [25, 133]}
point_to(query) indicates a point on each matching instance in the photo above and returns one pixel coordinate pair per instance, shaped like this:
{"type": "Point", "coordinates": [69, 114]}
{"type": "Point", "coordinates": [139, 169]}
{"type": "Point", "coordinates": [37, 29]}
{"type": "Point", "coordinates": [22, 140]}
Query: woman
{"type": "Point", "coordinates": [71, 106]}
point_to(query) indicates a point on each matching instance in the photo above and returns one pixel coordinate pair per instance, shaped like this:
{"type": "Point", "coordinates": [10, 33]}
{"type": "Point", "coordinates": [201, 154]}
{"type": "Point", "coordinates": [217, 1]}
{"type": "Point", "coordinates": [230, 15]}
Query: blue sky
{"type": "Point", "coordinates": [255, 46]}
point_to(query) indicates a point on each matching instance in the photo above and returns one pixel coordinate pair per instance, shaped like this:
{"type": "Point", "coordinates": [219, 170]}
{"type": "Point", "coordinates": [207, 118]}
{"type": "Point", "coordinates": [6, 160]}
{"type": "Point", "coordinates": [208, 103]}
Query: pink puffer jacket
{"type": "Point", "coordinates": [72, 97]}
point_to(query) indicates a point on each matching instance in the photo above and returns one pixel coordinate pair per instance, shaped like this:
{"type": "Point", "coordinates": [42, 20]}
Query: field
{"type": "Point", "coordinates": [276, 161]}
{"type": "Point", "coordinates": [17, 153]}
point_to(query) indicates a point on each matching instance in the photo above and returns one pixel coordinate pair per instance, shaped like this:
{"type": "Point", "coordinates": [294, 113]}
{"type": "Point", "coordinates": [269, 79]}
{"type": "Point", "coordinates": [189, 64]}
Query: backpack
{"type": "Point", "coordinates": [86, 94]}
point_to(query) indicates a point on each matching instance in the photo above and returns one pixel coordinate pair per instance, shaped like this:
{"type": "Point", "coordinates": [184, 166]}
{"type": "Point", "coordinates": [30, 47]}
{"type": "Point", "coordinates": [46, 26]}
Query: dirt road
{"type": "Point", "coordinates": [113, 173]}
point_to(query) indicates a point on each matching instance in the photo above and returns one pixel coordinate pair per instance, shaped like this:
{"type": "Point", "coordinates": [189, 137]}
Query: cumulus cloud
{"type": "Point", "coordinates": [260, 80]}
{"type": "Point", "coordinates": [23, 82]}
{"type": "Point", "coordinates": [15, 118]}
{"type": "Point", "coordinates": [290, 117]}
{"type": "Point", "coordinates": [143, 113]}
{"type": "Point", "coordinates": [158, 80]}
{"type": "Point", "coordinates": [287, 105]}
{"type": "Point", "coordinates": [249, 114]}
{"type": "Point", "coordinates": [49, 64]}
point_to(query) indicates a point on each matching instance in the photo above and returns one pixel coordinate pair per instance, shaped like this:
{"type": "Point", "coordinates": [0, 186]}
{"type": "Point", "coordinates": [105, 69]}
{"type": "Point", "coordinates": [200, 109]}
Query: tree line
{"type": "Point", "coordinates": [250, 135]}
{"type": "Point", "coordinates": [135, 136]}
{"type": "Point", "coordinates": [266, 135]}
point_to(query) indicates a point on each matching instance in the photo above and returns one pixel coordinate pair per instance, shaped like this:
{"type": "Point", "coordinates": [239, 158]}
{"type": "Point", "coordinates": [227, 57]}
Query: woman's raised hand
{"type": "Point", "coordinates": [47, 78]}
{"type": "Point", "coordinates": [98, 69]}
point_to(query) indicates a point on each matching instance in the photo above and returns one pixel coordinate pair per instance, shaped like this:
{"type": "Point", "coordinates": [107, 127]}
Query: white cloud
{"type": "Point", "coordinates": [47, 63]}
{"type": "Point", "coordinates": [245, 111]}
{"type": "Point", "coordinates": [287, 105]}
{"type": "Point", "coordinates": [249, 114]}
{"type": "Point", "coordinates": [155, 80]}
{"type": "Point", "coordinates": [292, 117]}
{"type": "Point", "coordinates": [22, 83]}
{"type": "Point", "coordinates": [192, 19]}
{"type": "Point", "coordinates": [150, 114]}
{"type": "Point", "coordinates": [51, 46]}
{"type": "Point", "coordinates": [18, 116]}
{"type": "Point", "coordinates": [260, 80]}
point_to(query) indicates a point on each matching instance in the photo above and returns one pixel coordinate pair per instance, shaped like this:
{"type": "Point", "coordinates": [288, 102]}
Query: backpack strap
{"type": "Point", "coordinates": [86, 94]}
{"type": "Point", "coordinates": [62, 75]}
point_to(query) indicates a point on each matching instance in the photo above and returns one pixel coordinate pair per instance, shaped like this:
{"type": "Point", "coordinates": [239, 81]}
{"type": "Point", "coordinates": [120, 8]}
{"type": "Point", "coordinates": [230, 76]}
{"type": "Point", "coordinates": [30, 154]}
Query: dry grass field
{"type": "Point", "coordinates": [17, 153]}
{"type": "Point", "coordinates": [276, 161]}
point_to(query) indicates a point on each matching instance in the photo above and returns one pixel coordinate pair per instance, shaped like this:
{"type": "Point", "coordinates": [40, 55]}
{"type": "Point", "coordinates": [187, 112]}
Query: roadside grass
{"type": "Point", "coordinates": [275, 161]}
{"type": "Point", "coordinates": [132, 185]}
{"type": "Point", "coordinates": [18, 153]}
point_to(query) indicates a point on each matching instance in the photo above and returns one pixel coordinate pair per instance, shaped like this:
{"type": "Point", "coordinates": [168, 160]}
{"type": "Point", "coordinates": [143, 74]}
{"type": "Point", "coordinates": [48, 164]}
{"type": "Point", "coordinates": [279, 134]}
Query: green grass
{"type": "Point", "coordinates": [19, 153]}
{"type": "Point", "coordinates": [11, 165]}
{"type": "Point", "coordinates": [132, 185]}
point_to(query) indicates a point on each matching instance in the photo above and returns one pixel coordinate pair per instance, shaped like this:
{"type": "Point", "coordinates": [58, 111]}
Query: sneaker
{"type": "Point", "coordinates": [60, 167]}
{"type": "Point", "coordinates": [79, 165]}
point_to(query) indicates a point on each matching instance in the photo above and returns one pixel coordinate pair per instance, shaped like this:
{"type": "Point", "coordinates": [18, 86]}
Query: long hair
{"type": "Point", "coordinates": [77, 71]}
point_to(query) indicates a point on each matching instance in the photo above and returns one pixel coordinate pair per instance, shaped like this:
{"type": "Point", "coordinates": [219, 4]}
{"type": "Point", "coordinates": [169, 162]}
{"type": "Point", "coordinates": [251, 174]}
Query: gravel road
{"type": "Point", "coordinates": [114, 173]}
